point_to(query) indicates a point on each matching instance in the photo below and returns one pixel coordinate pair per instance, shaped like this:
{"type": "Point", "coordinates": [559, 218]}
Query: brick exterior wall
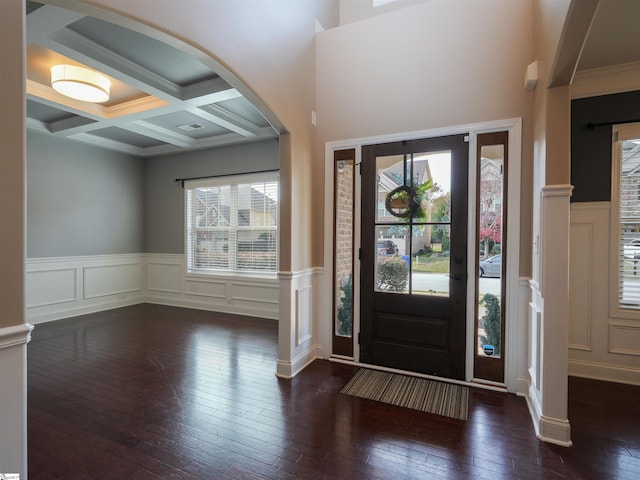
{"type": "Point", "coordinates": [343, 227]}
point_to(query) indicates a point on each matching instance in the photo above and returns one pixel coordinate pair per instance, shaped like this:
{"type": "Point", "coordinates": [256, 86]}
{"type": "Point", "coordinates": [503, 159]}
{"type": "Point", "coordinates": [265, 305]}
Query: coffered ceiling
{"type": "Point", "coordinates": [163, 100]}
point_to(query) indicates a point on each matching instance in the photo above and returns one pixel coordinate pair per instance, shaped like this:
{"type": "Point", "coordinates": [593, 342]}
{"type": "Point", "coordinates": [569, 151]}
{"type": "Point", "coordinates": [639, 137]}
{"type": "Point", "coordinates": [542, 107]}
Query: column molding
{"type": "Point", "coordinates": [13, 415]}
{"type": "Point", "coordinates": [549, 320]}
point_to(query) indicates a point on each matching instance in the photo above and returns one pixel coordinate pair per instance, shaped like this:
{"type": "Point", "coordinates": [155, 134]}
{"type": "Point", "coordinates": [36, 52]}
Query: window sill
{"type": "Point", "coordinates": [208, 276]}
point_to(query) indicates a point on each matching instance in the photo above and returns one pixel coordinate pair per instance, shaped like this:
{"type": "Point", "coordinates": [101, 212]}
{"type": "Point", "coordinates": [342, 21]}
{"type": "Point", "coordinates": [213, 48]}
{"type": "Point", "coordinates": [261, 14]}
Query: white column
{"type": "Point", "coordinates": [14, 333]}
{"type": "Point", "coordinates": [13, 399]}
{"type": "Point", "coordinates": [549, 320]}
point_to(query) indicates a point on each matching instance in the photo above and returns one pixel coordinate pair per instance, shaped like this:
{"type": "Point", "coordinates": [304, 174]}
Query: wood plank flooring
{"type": "Point", "coordinates": [155, 392]}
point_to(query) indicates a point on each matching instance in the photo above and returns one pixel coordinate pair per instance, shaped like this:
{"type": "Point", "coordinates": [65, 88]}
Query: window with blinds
{"type": "Point", "coordinates": [232, 224]}
{"type": "Point", "coordinates": [626, 215]}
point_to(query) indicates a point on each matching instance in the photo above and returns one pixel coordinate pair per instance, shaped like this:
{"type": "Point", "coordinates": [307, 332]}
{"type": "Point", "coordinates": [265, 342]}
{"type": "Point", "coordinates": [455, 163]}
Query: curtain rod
{"type": "Point", "coordinates": [182, 180]}
{"type": "Point", "coordinates": [592, 125]}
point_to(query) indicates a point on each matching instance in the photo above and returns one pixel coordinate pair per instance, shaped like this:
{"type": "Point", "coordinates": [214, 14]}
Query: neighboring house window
{"type": "Point", "coordinates": [625, 225]}
{"type": "Point", "coordinates": [232, 224]}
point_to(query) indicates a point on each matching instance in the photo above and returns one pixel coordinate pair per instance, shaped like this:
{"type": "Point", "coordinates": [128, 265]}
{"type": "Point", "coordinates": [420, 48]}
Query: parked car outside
{"type": "Point", "coordinates": [632, 249]}
{"type": "Point", "coordinates": [387, 247]}
{"type": "Point", "coordinates": [491, 267]}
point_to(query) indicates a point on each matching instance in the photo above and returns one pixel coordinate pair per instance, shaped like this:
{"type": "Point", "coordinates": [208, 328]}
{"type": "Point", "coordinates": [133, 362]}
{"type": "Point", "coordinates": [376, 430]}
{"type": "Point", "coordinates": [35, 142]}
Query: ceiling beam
{"type": "Point", "coordinates": [224, 140]}
{"type": "Point", "coordinates": [102, 142]}
{"type": "Point", "coordinates": [209, 91]}
{"type": "Point", "coordinates": [48, 19]}
{"type": "Point", "coordinates": [225, 119]}
{"type": "Point", "coordinates": [574, 36]}
{"type": "Point", "coordinates": [67, 125]}
{"type": "Point", "coordinates": [36, 125]}
{"type": "Point", "coordinates": [159, 133]}
{"type": "Point", "coordinates": [48, 96]}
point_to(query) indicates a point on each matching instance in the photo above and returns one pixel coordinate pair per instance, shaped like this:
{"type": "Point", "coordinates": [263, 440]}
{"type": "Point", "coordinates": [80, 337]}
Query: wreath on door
{"type": "Point", "coordinates": [406, 202]}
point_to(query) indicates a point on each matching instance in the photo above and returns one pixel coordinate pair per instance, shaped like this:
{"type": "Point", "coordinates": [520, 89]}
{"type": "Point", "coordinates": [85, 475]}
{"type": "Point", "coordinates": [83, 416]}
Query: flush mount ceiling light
{"type": "Point", "coordinates": [80, 83]}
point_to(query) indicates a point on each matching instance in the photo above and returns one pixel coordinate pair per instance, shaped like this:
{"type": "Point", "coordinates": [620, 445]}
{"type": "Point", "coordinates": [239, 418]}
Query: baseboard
{"type": "Point", "coordinates": [61, 313]}
{"type": "Point", "coordinates": [604, 372]}
{"type": "Point", "coordinates": [549, 430]}
{"type": "Point", "coordinates": [286, 369]}
{"type": "Point", "coordinates": [555, 431]}
{"type": "Point", "coordinates": [232, 309]}
{"type": "Point", "coordinates": [522, 386]}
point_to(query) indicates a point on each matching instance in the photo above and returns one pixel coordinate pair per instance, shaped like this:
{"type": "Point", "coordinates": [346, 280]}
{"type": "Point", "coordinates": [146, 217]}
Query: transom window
{"type": "Point", "coordinates": [232, 224]}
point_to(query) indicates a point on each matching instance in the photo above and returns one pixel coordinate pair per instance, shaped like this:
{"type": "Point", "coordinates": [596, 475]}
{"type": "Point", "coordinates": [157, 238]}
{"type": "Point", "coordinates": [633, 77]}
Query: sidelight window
{"type": "Point", "coordinates": [491, 253]}
{"type": "Point", "coordinates": [343, 281]}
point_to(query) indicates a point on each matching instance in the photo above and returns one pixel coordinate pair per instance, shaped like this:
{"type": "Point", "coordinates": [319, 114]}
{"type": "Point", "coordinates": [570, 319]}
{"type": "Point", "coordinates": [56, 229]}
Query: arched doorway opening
{"type": "Point", "coordinates": [174, 112]}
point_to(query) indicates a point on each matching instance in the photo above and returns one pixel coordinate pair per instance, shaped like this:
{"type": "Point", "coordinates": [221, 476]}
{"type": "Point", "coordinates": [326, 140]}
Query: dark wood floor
{"type": "Point", "coordinates": [152, 392]}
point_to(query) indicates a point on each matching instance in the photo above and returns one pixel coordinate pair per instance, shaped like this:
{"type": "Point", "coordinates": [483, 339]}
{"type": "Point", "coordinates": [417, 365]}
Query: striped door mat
{"type": "Point", "coordinates": [429, 396]}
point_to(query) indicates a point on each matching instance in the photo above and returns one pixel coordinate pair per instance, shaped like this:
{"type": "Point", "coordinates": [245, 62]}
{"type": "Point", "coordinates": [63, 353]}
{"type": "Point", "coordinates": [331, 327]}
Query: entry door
{"type": "Point", "coordinates": [413, 256]}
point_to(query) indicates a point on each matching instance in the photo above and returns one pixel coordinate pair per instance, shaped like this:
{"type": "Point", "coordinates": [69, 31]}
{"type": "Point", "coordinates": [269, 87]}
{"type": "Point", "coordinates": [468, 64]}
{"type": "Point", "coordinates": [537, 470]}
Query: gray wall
{"type": "Point", "coordinates": [164, 198]}
{"type": "Point", "coordinates": [591, 147]}
{"type": "Point", "coordinates": [82, 200]}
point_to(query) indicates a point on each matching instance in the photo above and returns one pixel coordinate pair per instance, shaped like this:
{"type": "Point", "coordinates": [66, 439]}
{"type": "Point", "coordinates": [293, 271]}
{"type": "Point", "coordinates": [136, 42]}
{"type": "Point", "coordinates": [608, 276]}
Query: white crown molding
{"type": "Point", "coordinates": [607, 80]}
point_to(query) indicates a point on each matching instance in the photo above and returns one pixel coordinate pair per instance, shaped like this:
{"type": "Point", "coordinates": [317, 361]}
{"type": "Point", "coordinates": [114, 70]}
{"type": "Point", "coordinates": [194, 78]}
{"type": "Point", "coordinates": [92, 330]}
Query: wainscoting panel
{"type": "Point", "coordinates": [298, 343]}
{"type": "Point", "coordinates": [65, 287]}
{"type": "Point", "coordinates": [68, 286]}
{"type": "Point", "coordinates": [107, 280]}
{"type": "Point", "coordinates": [600, 346]}
{"type": "Point", "coordinates": [249, 291]}
{"type": "Point", "coordinates": [213, 288]}
{"type": "Point", "coordinates": [624, 338]}
{"type": "Point", "coordinates": [163, 277]}
{"type": "Point", "coordinates": [303, 315]}
{"type": "Point", "coordinates": [51, 286]}
{"type": "Point", "coordinates": [167, 284]}
{"type": "Point", "coordinates": [535, 336]}
{"type": "Point", "coordinates": [580, 281]}
{"type": "Point", "coordinates": [517, 360]}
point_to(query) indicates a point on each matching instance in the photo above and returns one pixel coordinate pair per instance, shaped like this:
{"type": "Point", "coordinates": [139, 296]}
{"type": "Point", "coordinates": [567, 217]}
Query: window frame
{"type": "Point", "coordinates": [620, 133]}
{"type": "Point", "coordinates": [234, 227]}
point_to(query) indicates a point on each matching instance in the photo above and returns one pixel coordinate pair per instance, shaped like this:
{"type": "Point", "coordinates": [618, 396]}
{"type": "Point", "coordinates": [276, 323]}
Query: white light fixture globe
{"type": "Point", "coordinates": [80, 83]}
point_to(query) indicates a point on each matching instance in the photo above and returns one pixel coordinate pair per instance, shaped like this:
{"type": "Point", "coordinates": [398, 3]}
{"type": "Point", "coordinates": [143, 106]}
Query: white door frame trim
{"type": "Point", "coordinates": [515, 323]}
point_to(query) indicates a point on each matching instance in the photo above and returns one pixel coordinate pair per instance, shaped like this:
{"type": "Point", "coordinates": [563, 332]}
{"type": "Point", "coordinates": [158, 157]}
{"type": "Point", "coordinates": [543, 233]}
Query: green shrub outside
{"type": "Point", "coordinates": [393, 275]}
{"type": "Point", "coordinates": [492, 322]}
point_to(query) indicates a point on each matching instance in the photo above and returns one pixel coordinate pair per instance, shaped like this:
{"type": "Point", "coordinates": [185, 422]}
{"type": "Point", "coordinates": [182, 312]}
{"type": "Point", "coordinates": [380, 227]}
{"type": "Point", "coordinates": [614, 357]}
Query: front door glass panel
{"type": "Point", "coordinates": [412, 225]}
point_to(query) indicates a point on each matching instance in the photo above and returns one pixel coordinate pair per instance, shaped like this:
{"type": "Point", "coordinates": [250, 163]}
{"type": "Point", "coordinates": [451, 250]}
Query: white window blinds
{"type": "Point", "coordinates": [626, 211]}
{"type": "Point", "coordinates": [232, 224]}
